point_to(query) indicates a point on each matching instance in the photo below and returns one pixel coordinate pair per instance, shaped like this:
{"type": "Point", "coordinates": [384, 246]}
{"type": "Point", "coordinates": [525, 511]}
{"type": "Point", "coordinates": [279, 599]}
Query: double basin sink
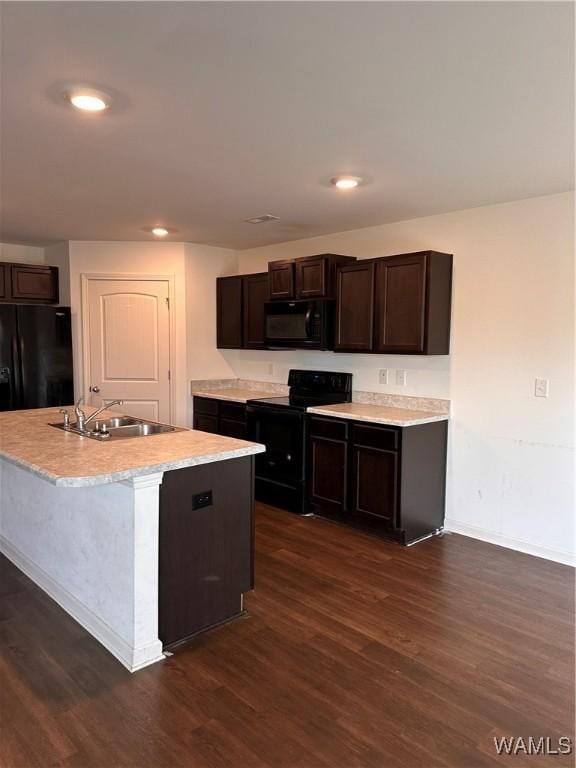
{"type": "Point", "coordinates": [119, 427]}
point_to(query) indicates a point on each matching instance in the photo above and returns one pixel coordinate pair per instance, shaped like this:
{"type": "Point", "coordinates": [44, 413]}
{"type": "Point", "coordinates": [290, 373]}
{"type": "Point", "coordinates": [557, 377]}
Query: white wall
{"type": "Point", "coordinates": [511, 454]}
{"type": "Point", "coordinates": [132, 258]}
{"type": "Point", "coordinates": [21, 254]}
{"type": "Point", "coordinates": [203, 265]}
{"type": "Point", "coordinates": [58, 255]}
{"type": "Point", "coordinates": [194, 268]}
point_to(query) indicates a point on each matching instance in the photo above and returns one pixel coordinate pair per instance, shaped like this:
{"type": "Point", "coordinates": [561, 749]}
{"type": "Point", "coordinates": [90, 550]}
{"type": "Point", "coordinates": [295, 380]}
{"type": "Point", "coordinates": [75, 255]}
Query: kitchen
{"type": "Point", "coordinates": [360, 515]}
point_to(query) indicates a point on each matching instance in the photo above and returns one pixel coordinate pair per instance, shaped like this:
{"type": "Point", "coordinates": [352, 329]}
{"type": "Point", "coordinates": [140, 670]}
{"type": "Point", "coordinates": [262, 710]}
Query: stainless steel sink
{"type": "Point", "coordinates": [118, 427]}
{"type": "Point", "coordinates": [139, 429]}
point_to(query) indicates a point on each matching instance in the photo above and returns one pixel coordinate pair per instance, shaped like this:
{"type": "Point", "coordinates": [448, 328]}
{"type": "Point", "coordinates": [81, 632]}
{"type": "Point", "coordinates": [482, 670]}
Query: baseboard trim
{"type": "Point", "coordinates": [132, 658]}
{"type": "Point", "coordinates": [547, 553]}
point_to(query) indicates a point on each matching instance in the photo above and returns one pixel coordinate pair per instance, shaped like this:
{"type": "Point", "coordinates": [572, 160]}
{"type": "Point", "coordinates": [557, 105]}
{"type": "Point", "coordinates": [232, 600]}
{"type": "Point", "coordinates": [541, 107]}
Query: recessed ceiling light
{"type": "Point", "coordinates": [346, 182]}
{"type": "Point", "coordinates": [160, 231]}
{"type": "Point", "coordinates": [88, 100]}
{"type": "Point", "coordinates": [262, 219]}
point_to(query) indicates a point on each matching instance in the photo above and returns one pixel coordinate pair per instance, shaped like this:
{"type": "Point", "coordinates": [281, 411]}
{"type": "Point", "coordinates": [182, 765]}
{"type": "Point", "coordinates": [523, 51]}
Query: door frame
{"type": "Point", "coordinates": [85, 279]}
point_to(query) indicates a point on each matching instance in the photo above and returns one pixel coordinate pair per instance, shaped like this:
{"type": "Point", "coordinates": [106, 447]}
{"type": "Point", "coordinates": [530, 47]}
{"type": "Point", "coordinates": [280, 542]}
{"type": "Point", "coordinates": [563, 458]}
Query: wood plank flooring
{"type": "Point", "coordinates": [356, 654]}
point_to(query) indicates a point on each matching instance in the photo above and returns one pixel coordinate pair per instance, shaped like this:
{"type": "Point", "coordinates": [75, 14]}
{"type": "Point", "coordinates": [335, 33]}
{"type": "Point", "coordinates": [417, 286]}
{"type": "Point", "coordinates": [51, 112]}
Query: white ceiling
{"type": "Point", "coordinates": [225, 111]}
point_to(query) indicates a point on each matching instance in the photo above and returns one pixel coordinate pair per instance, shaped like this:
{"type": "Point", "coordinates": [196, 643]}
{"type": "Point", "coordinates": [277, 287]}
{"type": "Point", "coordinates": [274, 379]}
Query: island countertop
{"type": "Point", "coordinates": [67, 459]}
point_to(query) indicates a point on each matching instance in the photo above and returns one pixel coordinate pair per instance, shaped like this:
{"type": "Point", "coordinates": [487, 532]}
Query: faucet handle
{"type": "Point", "coordinates": [66, 414]}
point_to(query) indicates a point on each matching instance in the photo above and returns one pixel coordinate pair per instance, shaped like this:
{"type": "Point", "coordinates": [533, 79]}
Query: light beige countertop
{"type": "Point", "coordinates": [379, 414]}
{"type": "Point", "coordinates": [66, 459]}
{"type": "Point", "coordinates": [236, 394]}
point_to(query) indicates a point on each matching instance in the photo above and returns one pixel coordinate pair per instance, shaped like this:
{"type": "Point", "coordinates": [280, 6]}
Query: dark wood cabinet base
{"type": "Point", "coordinates": [389, 481]}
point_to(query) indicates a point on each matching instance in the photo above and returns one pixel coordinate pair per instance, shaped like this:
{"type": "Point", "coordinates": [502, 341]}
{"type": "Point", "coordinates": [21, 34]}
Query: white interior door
{"type": "Point", "coordinates": [128, 346]}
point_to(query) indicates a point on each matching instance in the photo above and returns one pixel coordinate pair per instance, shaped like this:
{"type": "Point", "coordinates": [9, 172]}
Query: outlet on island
{"type": "Point", "coordinates": [201, 500]}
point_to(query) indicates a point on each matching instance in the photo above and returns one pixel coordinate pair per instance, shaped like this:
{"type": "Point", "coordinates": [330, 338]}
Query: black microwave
{"type": "Point", "coordinates": [299, 324]}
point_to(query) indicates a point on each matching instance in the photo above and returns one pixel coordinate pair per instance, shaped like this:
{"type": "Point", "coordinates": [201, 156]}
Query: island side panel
{"type": "Point", "coordinates": [85, 547]}
{"type": "Point", "coordinates": [206, 546]}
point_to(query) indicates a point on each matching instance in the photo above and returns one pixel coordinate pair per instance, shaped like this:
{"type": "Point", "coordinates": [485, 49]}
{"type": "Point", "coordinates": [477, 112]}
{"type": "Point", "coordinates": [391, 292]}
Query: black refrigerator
{"type": "Point", "coordinates": [35, 357]}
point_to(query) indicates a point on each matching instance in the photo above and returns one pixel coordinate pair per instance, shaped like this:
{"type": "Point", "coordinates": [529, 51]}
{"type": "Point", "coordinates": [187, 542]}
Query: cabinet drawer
{"type": "Point", "coordinates": [232, 411]}
{"type": "Point", "coordinates": [232, 428]}
{"type": "Point", "coordinates": [333, 429]}
{"type": "Point", "coordinates": [387, 439]}
{"type": "Point", "coordinates": [206, 406]}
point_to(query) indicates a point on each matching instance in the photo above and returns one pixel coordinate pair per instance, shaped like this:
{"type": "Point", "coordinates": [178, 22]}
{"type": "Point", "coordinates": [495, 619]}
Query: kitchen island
{"type": "Point", "coordinates": [139, 539]}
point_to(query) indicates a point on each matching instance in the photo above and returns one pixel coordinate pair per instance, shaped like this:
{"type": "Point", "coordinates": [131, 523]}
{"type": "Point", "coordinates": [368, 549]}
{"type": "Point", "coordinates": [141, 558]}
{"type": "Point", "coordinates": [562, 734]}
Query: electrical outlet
{"type": "Point", "coordinates": [541, 387]}
{"type": "Point", "coordinates": [383, 376]}
{"type": "Point", "coordinates": [401, 377]}
{"type": "Point", "coordinates": [270, 369]}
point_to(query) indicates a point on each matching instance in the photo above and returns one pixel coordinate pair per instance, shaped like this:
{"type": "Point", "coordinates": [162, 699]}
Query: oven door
{"type": "Point", "coordinates": [281, 430]}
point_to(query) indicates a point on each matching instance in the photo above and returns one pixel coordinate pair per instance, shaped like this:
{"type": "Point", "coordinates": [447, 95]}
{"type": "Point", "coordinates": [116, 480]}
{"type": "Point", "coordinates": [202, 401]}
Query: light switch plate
{"type": "Point", "coordinates": [383, 375]}
{"type": "Point", "coordinates": [541, 387]}
{"type": "Point", "coordinates": [401, 377]}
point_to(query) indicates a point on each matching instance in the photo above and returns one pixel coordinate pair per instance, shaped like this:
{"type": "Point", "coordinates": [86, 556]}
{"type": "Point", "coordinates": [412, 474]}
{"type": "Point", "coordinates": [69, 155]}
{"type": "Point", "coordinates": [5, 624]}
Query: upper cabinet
{"type": "Point", "coordinates": [355, 307]}
{"type": "Point", "coordinates": [240, 311]}
{"type": "Point", "coordinates": [281, 279]}
{"type": "Point", "coordinates": [255, 295]}
{"type": "Point", "coordinates": [316, 275]}
{"type": "Point", "coordinates": [392, 305]}
{"type": "Point", "coordinates": [229, 312]}
{"type": "Point", "coordinates": [3, 280]}
{"type": "Point", "coordinates": [28, 283]}
{"type": "Point", "coordinates": [395, 305]}
{"type": "Point", "coordinates": [310, 277]}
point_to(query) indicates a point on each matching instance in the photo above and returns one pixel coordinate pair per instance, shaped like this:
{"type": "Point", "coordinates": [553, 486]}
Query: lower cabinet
{"type": "Point", "coordinates": [222, 417]}
{"type": "Point", "coordinates": [389, 480]}
{"type": "Point", "coordinates": [206, 547]}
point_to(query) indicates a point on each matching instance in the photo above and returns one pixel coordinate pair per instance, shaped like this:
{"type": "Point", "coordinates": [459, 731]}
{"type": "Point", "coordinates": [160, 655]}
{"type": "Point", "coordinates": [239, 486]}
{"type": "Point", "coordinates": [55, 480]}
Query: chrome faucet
{"type": "Point", "coordinates": [82, 420]}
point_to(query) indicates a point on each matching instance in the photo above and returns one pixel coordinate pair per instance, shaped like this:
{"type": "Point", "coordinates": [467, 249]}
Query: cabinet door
{"type": "Point", "coordinates": [375, 473]}
{"type": "Point", "coordinates": [255, 295]}
{"type": "Point", "coordinates": [3, 280]}
{"type": "Point", "coordinates": [401, 304]}
{"type": "Point", "coordinates": [328, 471]}
{"type": "Point", "coordinates": [229, 312]}
{"type": "Point", "coordinates": [34, 283]}
{"type": "Point", "coordinates": [232, 419]}
{"type": "Point", "coordinates": [281, 279]}
{"type": "Point", "coordinates": [311, 278]}
{"type": "Point", "coordinates": [206, 423]}
{"type": "Point", "coordinates": [355, 307]}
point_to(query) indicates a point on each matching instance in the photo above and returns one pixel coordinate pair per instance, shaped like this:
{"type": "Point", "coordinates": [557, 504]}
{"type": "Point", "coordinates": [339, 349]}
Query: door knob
{"type": "Point", "coordinates": [95, 389]}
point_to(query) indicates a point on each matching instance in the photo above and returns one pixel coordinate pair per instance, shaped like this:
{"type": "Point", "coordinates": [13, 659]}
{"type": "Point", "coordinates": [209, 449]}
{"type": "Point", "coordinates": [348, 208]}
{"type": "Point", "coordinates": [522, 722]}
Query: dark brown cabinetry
{"type": "Point", "coordinates": [281, 279]}
{"type": "Point", "coordinates": [255, 295]}
{"type": "Point", "coordinates": [240, 311]}
{"type": "Point", "coordinates": [388, 480]}
{"type": "Point", "coordinates": [316, 275]}
{"type": "Point", "coordinates": [28, 283]}
{"type": "Point", "coordinates": [222, 417]}
{"type": "Point", "coordinates": [395, 305]}
{"type": "Point", "coordinates": [328, 456]}
{"type": "Point", "coordinates": [206, 547]}
{"type": "Point", "coordinates": [355, 307]}
{"type": "Point", "coordinates": [413, 295]}
{"type": "Point", "coordinates": [229, 312]}
{"type": "Point", "coordinates": [392, 305]}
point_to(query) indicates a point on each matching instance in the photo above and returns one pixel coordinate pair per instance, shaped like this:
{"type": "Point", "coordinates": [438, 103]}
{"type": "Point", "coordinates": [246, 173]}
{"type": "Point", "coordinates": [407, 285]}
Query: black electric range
{"type": "Point", "coordinates": [280, 424]}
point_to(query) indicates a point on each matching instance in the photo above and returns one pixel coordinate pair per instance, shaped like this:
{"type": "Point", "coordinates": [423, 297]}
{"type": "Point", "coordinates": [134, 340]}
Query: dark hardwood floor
{"type": "Point", "coordinates": [356, 654]}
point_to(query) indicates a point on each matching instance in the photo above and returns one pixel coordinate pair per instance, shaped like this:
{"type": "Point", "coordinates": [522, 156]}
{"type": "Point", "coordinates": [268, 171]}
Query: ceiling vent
{"type": "Point", "coordinates": [262, 219]}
